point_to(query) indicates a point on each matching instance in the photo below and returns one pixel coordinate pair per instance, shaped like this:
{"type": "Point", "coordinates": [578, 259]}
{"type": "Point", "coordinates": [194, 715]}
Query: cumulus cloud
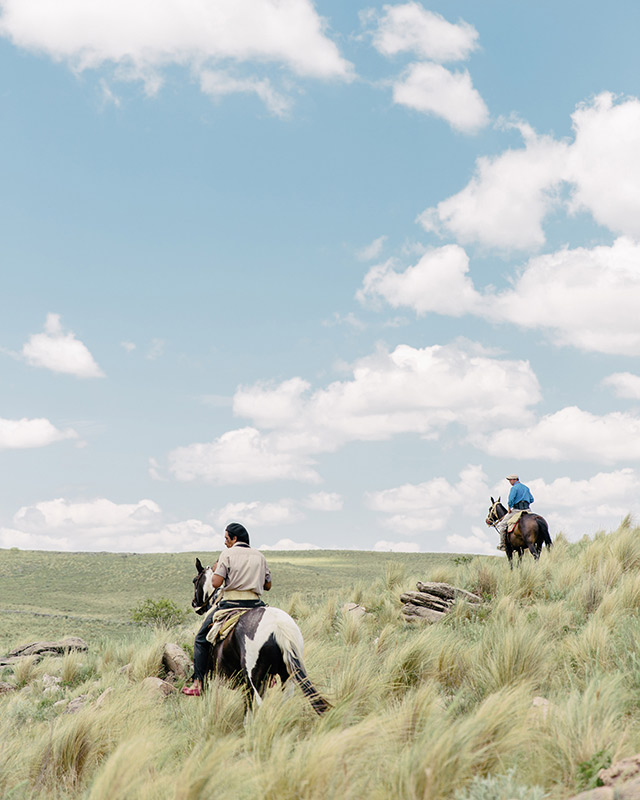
{"type": "Point", "coordinates": [411, 28]}
{"type": "Point", "coordinates": [624, 384]}
{"type": "Point", "coordinates": [258, 514]}
{"type": "Point", "coordinates": [568, 434]}
{"type": "Point", "coordinates": [584, 298]}
{"type": "Point", "coordinates": [510, 195]}
{"type": "Point", "coordinates": [431, 505]}
{"type": "Point", "coordinates": [506, 201]}
{"type": "Point", "coordinates": [408, 390]}
{"type": "Point", "coordinates": [478, 541]}
{"type": "Point", "coordinates": [101, 524]}
{"type": "Point", "coordinates": [18, 434]}
{"type": "Point", "coordinates": [289, 544]}
{"type": "Point", "coordinates": [60, 351]}
{"type": "Point", "coordinates": [433, 89]}
{"type": "Point", "coordinates": [219, 84]}
{"type": "Point", "coordinates": [323, 501]}
{"type": "Point", "coordinates": [438, 283]}
{"type": "Point", "coordinates": [139, 39]}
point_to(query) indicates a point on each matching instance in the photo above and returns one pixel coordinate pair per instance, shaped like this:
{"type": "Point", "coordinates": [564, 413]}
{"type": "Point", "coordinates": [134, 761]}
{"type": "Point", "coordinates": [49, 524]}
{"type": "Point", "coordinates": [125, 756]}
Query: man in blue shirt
{"type": "Point", "coordinates": [520, 499]}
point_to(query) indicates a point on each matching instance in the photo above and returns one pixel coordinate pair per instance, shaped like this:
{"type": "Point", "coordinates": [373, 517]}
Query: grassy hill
{"type": "Point", "coordinates": [526, 698]}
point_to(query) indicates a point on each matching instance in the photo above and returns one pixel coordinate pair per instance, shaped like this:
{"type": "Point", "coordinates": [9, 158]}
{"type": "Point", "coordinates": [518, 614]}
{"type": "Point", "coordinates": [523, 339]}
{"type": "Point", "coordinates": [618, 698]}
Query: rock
{"type": "Point", "coordinates": [354, 610]}
{"type": "Point", "coordinates": [61, 703]}
{"type": "Point", "coordinates": [628, 791]}
{"type": "Point", "coordinates": [104, 697]}
{"type": "Point", "coordinates": [601, 793]}
{"type": "Point", "coordinates": [76, 704]}
{"type": "Point", "coordinates": [48, 648]}
{"type": "Point", "coordinates": [427, 600]}
{"type": "Point", "coordinates": [426, 614]}
{"type": "Point", "coordinates": [621, 771]}
{"type": "Point", "coordinates": [447, 592]}
{"type": "Point", "coordinates": [157, 686]}
{"type": "Point", "coordinates": [622, 791]}
{"type": "Point", "coordinates": [176, 660]}
{"type": "Point", "coordinates": [126, 670]}
{"type": "Point", "coordinates": [5, 688]}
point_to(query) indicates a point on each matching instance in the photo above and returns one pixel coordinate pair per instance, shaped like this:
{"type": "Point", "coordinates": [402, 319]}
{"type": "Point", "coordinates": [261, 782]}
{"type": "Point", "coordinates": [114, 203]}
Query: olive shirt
{"type": "Point", "coordinates": [243, 569]}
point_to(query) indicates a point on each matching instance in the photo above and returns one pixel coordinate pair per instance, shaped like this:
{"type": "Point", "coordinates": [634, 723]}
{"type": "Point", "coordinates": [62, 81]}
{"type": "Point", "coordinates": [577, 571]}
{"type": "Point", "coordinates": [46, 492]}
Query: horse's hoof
{"type": "Point", "coordinates": [192, 691]}
{"type": "Point", "coordinates": [501, 547]}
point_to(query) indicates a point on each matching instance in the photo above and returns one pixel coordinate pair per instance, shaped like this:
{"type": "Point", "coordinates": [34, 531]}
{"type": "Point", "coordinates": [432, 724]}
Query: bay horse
{"type": "Point", "coordinates": [530, 533]}
{"type": "Point", "coordinates": [264, 643]}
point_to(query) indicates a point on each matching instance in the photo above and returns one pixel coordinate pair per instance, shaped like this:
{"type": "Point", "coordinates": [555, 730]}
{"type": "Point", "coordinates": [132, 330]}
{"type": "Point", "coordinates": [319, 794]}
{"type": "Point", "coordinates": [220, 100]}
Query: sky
{"type": "Point", "coordinates": [332, 270]}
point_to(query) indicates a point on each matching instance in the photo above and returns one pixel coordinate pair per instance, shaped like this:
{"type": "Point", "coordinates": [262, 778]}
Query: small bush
{"type": "Point", "coordinates": [160, 613]}
{"type": "Point", "coordinates": [500, 787]}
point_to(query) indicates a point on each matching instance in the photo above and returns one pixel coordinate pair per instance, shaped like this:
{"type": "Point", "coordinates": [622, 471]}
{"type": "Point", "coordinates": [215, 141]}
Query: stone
{"type": "Point", "coordinates": [623, 770]}
{"type": "Point", "coordinates": [104, 696]}
{"type": "Point", "coordinates": [426, 614]}
{"type": "Point", "coordinates": [76, 704]}
{"type": "Point", "coordinates": [446, 591]}
{"type": "Point", "coordinates": [354, 610]}
{"type": "Point", "coordinates": [158, 687]}
{"type": "Point", "coordinates": [427, 600]}
{"type": "Point", "coordinates": [601, 793]}
{"type": "Point", "coordinates": [49, 648]}
{"type": "Point", "coordinates": [5, 688]}
{"type": "Point", "coordinates": [176, 660]}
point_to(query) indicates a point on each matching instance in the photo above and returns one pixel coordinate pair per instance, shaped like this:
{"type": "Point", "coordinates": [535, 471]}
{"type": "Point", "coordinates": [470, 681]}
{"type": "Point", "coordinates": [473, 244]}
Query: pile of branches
{"type": "Point", "coordinates": [432, 601]}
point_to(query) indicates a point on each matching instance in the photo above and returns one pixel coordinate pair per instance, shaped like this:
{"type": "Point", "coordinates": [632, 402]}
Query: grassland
{"type": "Point", "coordinates": [525, 698]}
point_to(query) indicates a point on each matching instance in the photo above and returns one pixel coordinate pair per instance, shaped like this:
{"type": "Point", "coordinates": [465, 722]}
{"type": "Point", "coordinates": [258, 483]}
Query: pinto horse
{"type": "Point", "coordinates": [264, 643]}
{"type": "Point", "coordinates": [531, 532]}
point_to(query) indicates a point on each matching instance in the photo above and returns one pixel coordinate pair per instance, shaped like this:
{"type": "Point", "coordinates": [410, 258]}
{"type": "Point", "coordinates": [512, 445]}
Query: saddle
{"type": "Point", "coordinates": [514, 521]}
{"type": "Point", "coordinates": [223, 622]}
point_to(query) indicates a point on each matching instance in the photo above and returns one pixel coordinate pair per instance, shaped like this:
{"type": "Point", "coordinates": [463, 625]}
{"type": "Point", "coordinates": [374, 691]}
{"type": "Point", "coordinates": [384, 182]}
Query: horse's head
{"type": "Point", "coordinates": [203, 591]}
{"type": "Point", "coordinates": [496, 512]}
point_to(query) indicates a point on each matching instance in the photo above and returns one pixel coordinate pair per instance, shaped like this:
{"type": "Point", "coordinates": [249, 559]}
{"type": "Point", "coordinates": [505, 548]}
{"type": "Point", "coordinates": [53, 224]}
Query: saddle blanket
{"type": "Point", "coordinates": [223, 622]}
{"type": "Point", "coordinates": [515, 519]}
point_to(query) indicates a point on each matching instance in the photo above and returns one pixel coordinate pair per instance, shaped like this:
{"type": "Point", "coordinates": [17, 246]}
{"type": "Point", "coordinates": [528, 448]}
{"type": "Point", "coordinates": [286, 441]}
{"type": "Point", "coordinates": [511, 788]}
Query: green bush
{"type": "Point", "coordinates": [160, 613]}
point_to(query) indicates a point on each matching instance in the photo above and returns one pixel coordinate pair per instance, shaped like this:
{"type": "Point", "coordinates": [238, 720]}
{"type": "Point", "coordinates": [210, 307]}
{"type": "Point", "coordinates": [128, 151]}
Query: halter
{"type": "Point", "coordinates": [492, 512]}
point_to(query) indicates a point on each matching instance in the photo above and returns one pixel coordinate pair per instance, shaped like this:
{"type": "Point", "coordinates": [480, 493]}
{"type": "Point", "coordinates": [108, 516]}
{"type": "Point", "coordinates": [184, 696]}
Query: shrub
{"type": "Point", "coordinates": [160, 613]}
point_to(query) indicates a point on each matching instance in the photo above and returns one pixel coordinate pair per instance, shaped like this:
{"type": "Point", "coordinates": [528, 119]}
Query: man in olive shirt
{"type": "Point", "coordinates": [245, 575]}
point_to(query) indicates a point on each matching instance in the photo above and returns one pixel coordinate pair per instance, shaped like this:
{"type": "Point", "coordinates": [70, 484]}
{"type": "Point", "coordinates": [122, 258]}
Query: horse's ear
{"type": "Point", "coordinates": [492, 501]}
{"type": "Point", "coordinates": [199, 566]}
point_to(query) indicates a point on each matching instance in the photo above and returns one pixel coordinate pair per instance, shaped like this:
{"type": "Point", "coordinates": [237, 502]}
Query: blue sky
{"type": "Point", "coordinates": [332, 270]}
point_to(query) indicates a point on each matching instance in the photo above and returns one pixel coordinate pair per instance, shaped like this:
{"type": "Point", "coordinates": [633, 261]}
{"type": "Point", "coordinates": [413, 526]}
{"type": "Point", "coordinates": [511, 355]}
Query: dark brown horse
{"type": "Point", "coordinates": [530, 533]}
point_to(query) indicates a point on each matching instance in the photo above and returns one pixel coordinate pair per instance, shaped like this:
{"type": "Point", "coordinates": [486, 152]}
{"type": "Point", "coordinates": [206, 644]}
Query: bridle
{"type": "Point", "coordinates": [493, 519]}
{"type": "Point", "coordinates": [207, 599]}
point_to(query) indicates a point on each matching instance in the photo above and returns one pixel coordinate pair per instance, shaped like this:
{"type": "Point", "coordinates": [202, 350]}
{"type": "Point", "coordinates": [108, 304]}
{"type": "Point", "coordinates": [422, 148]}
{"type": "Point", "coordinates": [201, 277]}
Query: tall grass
{"type": "Point", "coordinates": [419, 711]}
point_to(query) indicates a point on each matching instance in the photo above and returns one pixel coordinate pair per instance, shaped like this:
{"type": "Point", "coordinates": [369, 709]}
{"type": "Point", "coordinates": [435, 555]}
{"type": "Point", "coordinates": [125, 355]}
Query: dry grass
{"type": "Point", "coordinates": [419, 711]}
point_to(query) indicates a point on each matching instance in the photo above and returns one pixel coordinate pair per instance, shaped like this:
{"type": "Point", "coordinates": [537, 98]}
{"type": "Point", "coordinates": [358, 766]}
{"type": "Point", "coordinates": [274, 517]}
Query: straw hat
{"type": "Point", "coordinates": [513, 477]}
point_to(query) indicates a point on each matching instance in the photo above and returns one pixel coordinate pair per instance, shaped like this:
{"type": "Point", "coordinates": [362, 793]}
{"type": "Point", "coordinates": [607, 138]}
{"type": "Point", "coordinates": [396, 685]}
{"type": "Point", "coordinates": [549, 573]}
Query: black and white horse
{"type": "Point", "coordinates": [265, 643]}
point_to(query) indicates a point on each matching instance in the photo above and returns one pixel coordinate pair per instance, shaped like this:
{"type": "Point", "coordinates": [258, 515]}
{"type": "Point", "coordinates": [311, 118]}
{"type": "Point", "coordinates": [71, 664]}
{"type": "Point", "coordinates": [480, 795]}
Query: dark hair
{"type": "Point", "coordinates": [238, 531]}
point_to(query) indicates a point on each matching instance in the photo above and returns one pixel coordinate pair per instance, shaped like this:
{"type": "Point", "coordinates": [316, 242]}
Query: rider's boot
{"type": "Point", "coordinates": [503, 540]}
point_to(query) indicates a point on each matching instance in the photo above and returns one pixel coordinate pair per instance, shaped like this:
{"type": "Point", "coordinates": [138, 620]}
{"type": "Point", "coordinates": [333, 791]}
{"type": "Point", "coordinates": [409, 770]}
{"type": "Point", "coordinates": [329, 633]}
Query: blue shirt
{"type": "Point", "coordinates": [518, 493]}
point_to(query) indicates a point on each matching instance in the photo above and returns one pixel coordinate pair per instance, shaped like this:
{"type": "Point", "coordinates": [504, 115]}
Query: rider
{"type": "Point", "coordinates": [519, 500]}
{"type": "Point", "coordinates": [245, 574]}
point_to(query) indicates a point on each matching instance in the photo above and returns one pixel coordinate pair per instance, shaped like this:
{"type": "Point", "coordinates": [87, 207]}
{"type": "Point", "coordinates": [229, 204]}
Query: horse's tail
{"type": "Point", "coordinates": [544, 530]}
{"type": "Point", "coordinates": [289, 640]}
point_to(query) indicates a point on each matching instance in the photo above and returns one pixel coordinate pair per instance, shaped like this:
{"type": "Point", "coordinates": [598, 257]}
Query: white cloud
{"type": "Point", "coordinates": [585, 298]}
{"type": "Point", "coordinates": [624, 384]}
{"type": "Point", "coordinates": [604, 162]}
{"type": "Point", "coordinates": [256, 514]}
{"type": "Point", "coordinates": [438, 283]}
{"type": "Point", "coordinates": [507, 200]}
{"type": "Point", "coordinates": [383, 546]}
{"type": "Point", "coordinates": [323, 501]}
{"type": "Point", "coordinates": [372, 250]}
{"type": "Point", "coordinates": [141, 38]}
{"type": "Point", "coordinates": [408, 390]}
{"type": "Point", "coordinates": [482, 542]}
{"type": "Point", "coordinates": [219, 84]}
{"type": "Point", "coordinates": [17, 434]}
{"type": "Point", "coordinates": [240, 456]}
{"type": "Point", "coordinates": [128, 346]}
{"type": "Point", "coordinates": [410, 28]}
{"type": "Point", "coordinates": [60, 352]}
{"type": "Point", "coordinates": [433, 89]}
{"type": "Point", "coordinates": [431, 506]}
{"type": "Point", "coordinates": [289, 544]}
{"type": "Point", "coordinates": [101, 524]}
{"type": "Point", "coordinates": [156, 349]}
{"type": "Point", "coordinates": [505, 203]}
{"type": "Point", "coordinates": [568, 434]}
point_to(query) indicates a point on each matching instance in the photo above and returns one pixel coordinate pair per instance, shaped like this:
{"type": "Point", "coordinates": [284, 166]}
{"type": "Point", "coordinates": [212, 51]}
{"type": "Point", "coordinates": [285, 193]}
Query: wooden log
{"type": "Point", "coordinates": [446, 591]}
{"type": "Point", "coordinates": [427, 600]}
